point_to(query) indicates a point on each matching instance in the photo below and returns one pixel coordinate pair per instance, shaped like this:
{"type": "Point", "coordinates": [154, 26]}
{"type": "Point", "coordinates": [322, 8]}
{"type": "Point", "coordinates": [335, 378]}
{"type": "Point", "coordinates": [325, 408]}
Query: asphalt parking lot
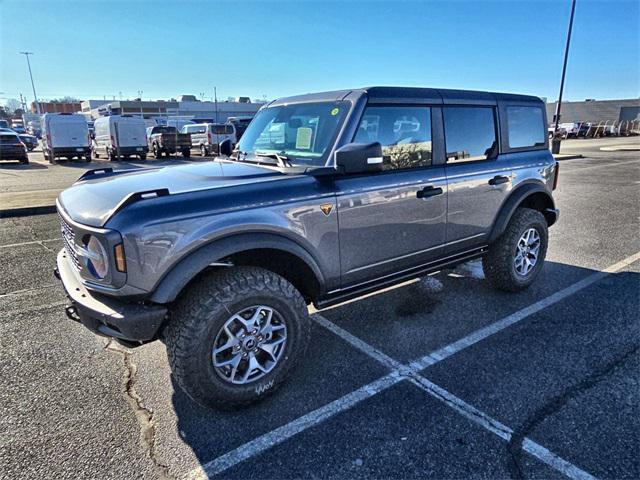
{"type": "Point", "coordinates": [439, 378]}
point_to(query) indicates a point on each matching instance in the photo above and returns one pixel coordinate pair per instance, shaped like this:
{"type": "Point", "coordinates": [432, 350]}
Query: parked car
{"type": "Point", "coordinates": [120, 136]}
{"type": "Point", "coordinates": [206, 137]}
{"type": "Point", "coordinates": [30, 141]}
{"type": "Point", "coordinates": [4, 124]}
{"type": "Point", "coordinates": [163, 139]}
{"type": "Point", "coordinates": [571, 129]}
{"type": "Point", "coordinates": [65, 135]}
{"type": "Point", "coordinates": [327, 197]}
{"type": "Point", "coordinates": [11, 147]}
{"type": "Point", "coordinates": [560, 133]}
{"type": "Point", "coordinates": [240, 124]}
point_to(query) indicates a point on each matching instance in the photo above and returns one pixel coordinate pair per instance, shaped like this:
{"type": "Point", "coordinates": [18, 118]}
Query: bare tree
{"type": "Point", "coordinates": [11, 105]}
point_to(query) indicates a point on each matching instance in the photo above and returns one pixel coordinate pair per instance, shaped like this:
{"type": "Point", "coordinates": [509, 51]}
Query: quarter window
{"type": "Point", "coordinates": [470, 133]}
{"type": "Point", "coordinates": [403, 132]}
{"type": "Point", "coordinates": [526, 127]}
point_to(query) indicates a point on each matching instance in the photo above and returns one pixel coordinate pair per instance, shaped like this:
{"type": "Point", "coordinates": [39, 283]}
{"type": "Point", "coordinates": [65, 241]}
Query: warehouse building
{"type": "Point", "coordinates": [596, 111]}
{"type": "Point", "coordinates": [186, 108]}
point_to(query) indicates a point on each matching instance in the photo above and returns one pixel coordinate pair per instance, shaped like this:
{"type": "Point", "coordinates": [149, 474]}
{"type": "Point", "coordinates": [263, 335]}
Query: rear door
{"type": "Point", "coordinates": [131, 133]}
{"type": "Point", "coordinates": [68, 132]}
{"type": "Point", "coordinates": [395, 219]}
{"type": "Point", "coordinates": [478, 178]}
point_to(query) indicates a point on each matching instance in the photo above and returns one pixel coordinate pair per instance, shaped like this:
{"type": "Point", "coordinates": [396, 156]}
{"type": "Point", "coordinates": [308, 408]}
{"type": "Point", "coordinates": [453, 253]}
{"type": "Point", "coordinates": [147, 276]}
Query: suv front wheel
{"type": "Point", "coordinates": [235, 336]}
{"type": "Point", "coordinates": [516, 258]}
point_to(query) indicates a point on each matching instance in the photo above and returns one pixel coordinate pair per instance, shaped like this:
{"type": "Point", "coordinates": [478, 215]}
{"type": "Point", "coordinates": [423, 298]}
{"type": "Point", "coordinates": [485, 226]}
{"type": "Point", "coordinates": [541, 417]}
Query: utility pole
{"type": "Point", "coordinates": [215, 97]}
{"type": "Point", "coordinates": [35, 97]}
{"type": "Point", "coordinates": [555, 142]}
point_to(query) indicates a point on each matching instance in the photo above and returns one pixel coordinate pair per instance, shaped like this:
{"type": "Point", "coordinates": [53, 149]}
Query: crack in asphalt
{"type": "Point", "coordinates": [554, 405]}
{"type": "Point", "coordinates": [144, 415]}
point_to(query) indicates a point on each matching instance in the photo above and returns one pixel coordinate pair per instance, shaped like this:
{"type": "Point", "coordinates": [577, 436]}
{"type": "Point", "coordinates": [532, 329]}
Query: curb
{"type": "Point", "coordinates": [27, 211]}
{"type": "Point", "coordinates": [567, 157]}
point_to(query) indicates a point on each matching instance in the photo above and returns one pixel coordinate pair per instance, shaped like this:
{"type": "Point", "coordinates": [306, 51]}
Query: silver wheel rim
{"type": "Point", "coordinates": [527, 252]}
{"type": "Point", "coordinates": [249, 345]}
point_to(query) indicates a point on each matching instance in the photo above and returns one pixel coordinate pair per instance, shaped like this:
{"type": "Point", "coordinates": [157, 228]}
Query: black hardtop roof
{"type": "Point", "coordinates": [411, 94]}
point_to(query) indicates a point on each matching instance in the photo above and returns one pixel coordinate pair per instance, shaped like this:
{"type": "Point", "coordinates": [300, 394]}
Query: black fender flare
{"type": "Point", "coordinates": [510, 205]}
{"type": "Point", "coordinates": [168, 289]}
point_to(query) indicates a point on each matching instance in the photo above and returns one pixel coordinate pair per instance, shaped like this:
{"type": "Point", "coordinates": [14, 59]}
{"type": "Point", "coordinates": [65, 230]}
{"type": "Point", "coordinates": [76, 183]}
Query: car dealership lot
{"type": "Point", "coordinates": [441, 378]}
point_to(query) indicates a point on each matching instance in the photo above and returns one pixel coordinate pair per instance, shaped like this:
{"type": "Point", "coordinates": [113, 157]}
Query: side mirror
{"type": "Point", "coordinates": [359, 158]}
{"type": "Point", "coordinates": [225, 148]}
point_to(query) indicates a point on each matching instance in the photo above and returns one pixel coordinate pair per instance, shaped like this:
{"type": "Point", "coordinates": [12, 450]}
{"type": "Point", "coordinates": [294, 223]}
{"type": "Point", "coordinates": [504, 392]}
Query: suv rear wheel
{"type": "Point", "coordinates": [235, 336]}
{"type": "Point", "coordinates": [516, 258]}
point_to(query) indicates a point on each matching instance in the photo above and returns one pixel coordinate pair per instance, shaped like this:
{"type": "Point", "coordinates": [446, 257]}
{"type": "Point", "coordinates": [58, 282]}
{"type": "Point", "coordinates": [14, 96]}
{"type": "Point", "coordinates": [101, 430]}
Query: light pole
{"type": "Point", "coordinates": [35, 97]}
{"type": "Point", "coordinates": [555, 142]}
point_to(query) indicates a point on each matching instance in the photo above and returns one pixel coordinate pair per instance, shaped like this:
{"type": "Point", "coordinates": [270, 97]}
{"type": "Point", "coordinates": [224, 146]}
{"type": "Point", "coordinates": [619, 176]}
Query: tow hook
{"type": "Point", "coordinates": [72, 313]}
{"type": "Point", "coordinates": [56, 273]}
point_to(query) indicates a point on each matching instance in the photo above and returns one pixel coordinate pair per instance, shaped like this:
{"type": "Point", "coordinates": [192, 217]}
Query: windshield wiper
{"type": "Point", "coordinates": [282, 160]}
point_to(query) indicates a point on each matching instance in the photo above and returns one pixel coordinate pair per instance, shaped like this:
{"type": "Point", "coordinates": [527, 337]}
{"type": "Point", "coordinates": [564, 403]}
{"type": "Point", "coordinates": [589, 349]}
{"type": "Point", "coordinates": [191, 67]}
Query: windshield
{"type": "Point", "coordinates": [303, 133]}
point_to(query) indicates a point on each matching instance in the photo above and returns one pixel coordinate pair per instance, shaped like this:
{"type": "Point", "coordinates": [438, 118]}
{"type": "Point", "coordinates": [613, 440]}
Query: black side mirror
{"type": "Point", "coordinates": [359, 158]}
{"type": "Point", "coordinates": [225, 148]}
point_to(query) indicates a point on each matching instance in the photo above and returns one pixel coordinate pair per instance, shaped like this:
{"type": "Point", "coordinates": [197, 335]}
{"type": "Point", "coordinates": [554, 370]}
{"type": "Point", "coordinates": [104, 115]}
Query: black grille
{"type": "Point", "coordinates": [68, 237]}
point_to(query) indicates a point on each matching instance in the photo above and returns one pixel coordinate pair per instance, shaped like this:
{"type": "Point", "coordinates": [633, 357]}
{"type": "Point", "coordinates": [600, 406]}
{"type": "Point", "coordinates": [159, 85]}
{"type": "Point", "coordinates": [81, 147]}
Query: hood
{"type": "Point", "coordinates": [93, 201]}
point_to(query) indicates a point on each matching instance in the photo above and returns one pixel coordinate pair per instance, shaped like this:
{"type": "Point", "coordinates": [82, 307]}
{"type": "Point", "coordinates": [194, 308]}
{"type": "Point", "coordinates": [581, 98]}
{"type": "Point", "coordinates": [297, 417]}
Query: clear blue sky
{"type": "Point", "coordinates": [90, 49]}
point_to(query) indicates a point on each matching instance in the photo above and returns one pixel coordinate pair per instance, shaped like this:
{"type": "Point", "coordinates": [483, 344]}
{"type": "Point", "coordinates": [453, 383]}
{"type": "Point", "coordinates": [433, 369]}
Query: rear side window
{"type": "Point", "coordinates": [470, 133]}
{"type": "Point", "coordinates": [526, 127]}
{"type": "Point", "coordinates": [403, 132]}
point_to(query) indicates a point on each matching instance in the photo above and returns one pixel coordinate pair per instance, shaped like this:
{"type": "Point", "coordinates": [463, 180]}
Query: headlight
{"type": "Point", "coordinates": [97, 261]}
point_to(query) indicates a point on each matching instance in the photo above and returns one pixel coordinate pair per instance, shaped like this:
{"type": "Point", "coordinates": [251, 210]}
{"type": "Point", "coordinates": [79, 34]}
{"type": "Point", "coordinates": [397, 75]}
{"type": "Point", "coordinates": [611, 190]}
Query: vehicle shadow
{"type": "Point", "coordinates": [419, 317]}
{"type": "Point", "coordinates": [19, 166]}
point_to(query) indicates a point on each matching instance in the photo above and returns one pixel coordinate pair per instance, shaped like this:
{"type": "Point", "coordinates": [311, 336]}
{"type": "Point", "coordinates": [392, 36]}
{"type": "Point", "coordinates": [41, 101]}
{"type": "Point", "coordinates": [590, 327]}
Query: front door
{"type": "Point", "coordinates": [395, 219]}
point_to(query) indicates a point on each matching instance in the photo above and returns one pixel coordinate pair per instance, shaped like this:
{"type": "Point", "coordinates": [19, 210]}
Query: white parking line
{"type": "Point", "coordinates": [21, 244]}
{"type": "Point", "coordinates": [266, 441]}
{"type": "Point", "coordinates": [279, 435]}
{"type": "Point", "coordinates": [516, 317]}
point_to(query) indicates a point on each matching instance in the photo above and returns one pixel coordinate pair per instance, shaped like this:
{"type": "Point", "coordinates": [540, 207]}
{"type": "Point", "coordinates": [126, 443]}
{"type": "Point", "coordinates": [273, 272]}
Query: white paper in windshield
{"type": "Point", "coordinates": [303, 138]}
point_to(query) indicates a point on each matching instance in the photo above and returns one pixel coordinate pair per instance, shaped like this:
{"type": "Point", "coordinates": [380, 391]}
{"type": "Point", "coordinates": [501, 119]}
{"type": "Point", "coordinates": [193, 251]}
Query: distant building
{"type": "Point", "coordinates": [612, 111]}
{"type": "Point", "coordinates": [187, 108]}
{"type": "Point", "coordinates": [56, 107]}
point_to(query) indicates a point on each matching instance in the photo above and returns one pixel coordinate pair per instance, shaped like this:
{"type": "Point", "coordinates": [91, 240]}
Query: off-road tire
{"type": "Point", "coordinates": [200, 313]}
{"type": "Point", "coordinates": [24, 160]}
{"type": "Point", "coordinates": [204, 151]}
{"type": "Point", "coordinates": [498, 264]}
{"type": "Point", "coordinates": [157, 153]}
{"type": "Point", "coordinates": [186, 152]}
{"type": "Point", "coordinates": [142, 156]}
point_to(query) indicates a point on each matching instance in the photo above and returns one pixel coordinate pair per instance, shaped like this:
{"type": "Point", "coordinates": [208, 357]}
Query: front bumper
{"type": "Point", "coordinates": [107, 316]}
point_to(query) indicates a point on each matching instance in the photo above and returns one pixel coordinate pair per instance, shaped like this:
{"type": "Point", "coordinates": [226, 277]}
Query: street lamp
{"type": "Point", "coordinates": [35, 97]}
{"type": "Point", "coordinates": [555, 142]}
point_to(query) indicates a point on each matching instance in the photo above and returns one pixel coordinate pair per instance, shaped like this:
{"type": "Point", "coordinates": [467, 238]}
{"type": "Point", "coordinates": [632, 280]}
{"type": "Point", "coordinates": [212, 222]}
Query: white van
{"type": "Point", "coordinates": [65, 135]}
{"type": "Point", "coordinates": [120, 136]}
{"type": "Point", "coordinates": [207, 136]}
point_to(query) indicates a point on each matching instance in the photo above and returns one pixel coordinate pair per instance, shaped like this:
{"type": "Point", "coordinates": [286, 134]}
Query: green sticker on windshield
{"type": "Point", "coordinates": [303, 138]}
{"type": "Point", "coordinates": [335, 111]}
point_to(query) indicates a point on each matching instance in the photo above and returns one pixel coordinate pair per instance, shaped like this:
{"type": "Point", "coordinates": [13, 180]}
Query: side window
{"type": "Point", "coordinates": [526, 127]}
{"type": "Point", "coordinates": [403, 132]}
{"type": "Point", "coordinates": [470, 133]}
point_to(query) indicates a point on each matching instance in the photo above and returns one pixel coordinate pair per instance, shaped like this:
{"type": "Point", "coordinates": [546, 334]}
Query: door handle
{"type": "Point", "coordinates": [498, 179]}
{"type": "Point", "coordinates": [427, 192]}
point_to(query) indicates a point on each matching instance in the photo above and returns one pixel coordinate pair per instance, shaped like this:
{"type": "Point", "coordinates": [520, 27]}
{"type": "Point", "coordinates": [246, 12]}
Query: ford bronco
{"type": "Point", "coordinates": [326, 197]}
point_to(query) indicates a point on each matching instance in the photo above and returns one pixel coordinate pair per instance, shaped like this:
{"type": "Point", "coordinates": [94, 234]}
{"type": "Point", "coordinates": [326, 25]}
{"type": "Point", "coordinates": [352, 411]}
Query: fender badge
{"type": "Point", "coordinates": [326, 208]}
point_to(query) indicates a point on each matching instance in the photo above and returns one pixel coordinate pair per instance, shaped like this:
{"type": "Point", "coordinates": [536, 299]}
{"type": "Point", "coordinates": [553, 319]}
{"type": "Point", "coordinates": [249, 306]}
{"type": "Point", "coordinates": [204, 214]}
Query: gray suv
{"type": "Point", "coordinates": [326, 197]}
